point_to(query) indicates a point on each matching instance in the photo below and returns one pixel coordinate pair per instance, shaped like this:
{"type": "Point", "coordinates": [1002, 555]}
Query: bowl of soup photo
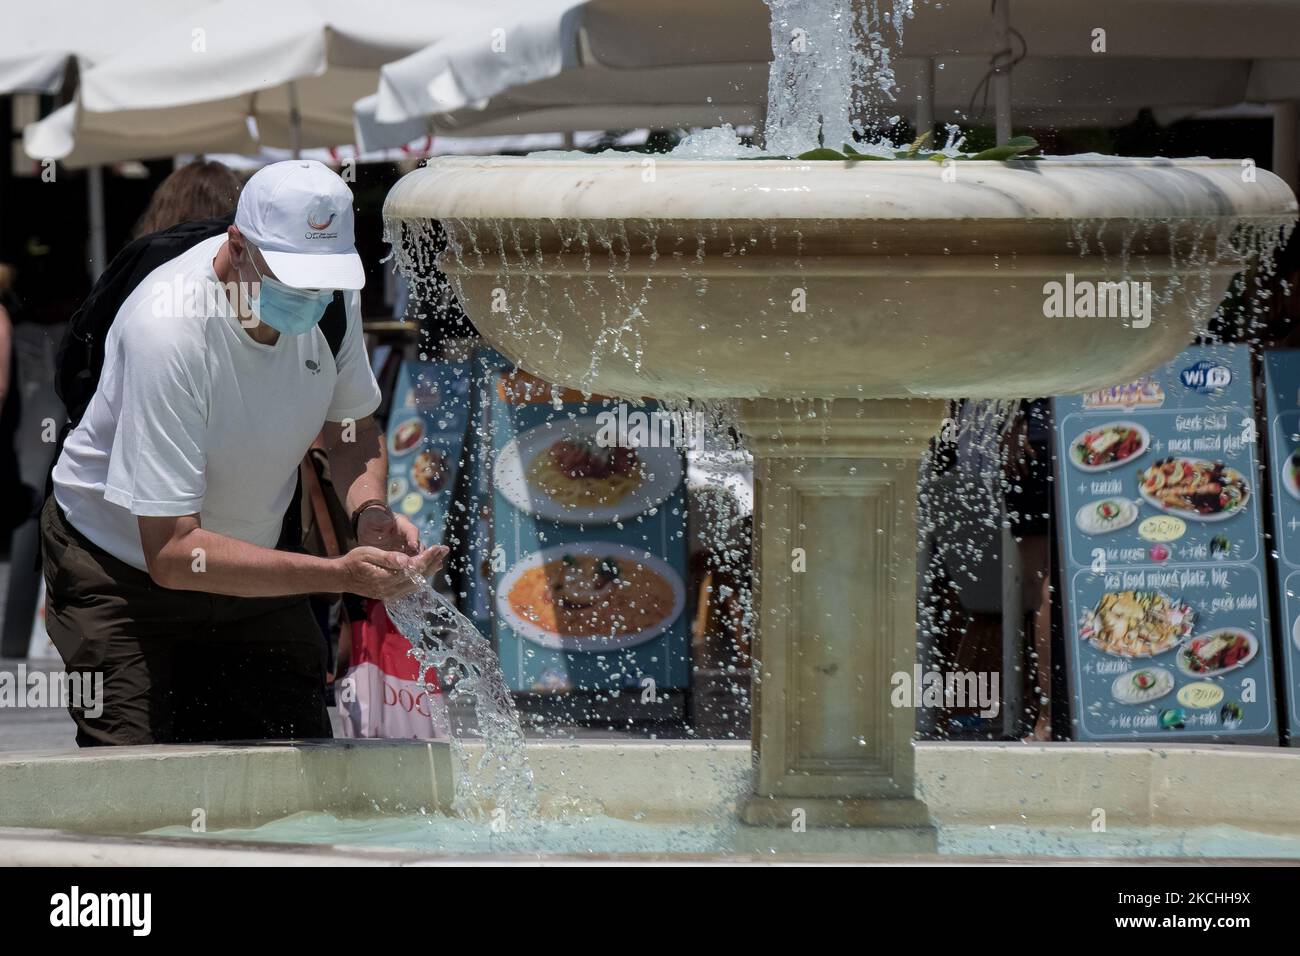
{"type": "Point", "coordinates": [592, 596]}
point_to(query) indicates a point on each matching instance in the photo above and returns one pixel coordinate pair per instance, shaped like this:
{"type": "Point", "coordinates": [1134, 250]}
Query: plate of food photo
{"type": "Point", "coordinates": [1291, 474]}
{"type": "Point", "coordinates": [1194, 488]}
{"type": "Point", "coordinates": [1217, 652]}
{"type": "Point", "coordinates": [1109, 446]}
{"type": "Point", "coordinates": [1142, 686]}
{"type": "Point", "coordinates": [429, 472]}
{"type": "Point", "coordinates": [590, 596]}
{"type": "Point", "coordinates": [559, 472]}
{"type": "Point", "coordinates": [406, 436]}
{"type": "Point", "coordinates": [1109, 514]}
{"type": "Point", "coordinates": [1136, 623]}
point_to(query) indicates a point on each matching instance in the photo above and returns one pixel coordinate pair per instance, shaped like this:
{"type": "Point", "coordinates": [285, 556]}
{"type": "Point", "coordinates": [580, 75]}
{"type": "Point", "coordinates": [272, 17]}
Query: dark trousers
{"type": "Point", "coordinates": [178, 666]}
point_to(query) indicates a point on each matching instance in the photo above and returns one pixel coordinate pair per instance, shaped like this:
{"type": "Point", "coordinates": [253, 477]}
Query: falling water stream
{"type": "Point", "coordinates": [443, 639]}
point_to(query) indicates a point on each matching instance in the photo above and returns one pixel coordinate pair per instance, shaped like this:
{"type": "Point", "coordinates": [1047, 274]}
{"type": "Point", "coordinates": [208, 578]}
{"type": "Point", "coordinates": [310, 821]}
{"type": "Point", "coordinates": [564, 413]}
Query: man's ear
{"type": "Point", "coordinates": [236, 240]}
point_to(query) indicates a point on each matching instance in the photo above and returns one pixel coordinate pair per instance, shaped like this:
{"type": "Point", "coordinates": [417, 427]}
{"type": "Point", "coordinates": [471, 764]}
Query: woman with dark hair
{"type": "Point", "coordinates": [203, 189]}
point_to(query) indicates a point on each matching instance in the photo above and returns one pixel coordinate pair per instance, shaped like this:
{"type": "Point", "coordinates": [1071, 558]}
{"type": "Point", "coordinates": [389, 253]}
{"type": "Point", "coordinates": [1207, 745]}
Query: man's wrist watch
{"type": "Point", "coordinates": [366, 506]}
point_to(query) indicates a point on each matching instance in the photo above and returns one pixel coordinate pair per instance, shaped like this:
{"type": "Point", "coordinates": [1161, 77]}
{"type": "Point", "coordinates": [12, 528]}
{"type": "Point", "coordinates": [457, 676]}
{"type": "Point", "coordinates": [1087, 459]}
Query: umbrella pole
{"type": "Point", "coordinates": [1286, 130]}
{"type": "Point", "coordinates": [925, 102]}
{"type": "Point", "coordinates": [1002, 57]}
{"type": "Point", "coordinates": [95, 207]}
{"type": "Point", "coordinates": [295, 121]}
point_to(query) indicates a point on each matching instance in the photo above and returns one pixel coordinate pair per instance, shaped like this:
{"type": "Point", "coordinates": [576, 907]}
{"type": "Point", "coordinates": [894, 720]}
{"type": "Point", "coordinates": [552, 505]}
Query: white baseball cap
{"type": "Point", "coordinates": [298, 213]}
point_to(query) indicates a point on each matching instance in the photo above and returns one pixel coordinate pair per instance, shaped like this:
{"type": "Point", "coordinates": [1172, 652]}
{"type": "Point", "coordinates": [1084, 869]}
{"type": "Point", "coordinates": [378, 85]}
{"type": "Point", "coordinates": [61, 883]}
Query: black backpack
{"type": "Point", "coordinates": [80, 357]}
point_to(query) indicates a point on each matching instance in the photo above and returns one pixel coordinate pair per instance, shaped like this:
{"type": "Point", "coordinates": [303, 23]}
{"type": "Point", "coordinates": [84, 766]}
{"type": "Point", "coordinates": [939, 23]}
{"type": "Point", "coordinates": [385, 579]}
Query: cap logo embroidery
{"type": "Point", "coordinates": [320, 216]}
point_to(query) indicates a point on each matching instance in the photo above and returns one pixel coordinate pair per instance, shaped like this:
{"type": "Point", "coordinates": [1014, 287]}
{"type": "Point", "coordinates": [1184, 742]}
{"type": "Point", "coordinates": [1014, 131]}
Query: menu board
{"type": "Point", "coordinates": [1162, 570]}
{"type": "Point", "coordinates": [1282, 403]}
{"type": "Point", "coordinates": [589, 544]}
{"type": "Point", "coordinates": [426, 437]}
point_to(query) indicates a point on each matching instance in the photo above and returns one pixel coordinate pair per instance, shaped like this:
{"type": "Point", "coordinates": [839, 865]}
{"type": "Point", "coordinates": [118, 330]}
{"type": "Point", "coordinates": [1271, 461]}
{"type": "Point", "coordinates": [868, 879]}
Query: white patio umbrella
{"type": "Point", "coordinates": [44, 45]}
{"type": "Point", "coordinates": [677, 58]}
{"type": "Point", "coordinates": [543, 65]}
{"type": "Point", "coordinates": [192, 84]}
{"type": "Point", "coordinates": [429, 146]}
{"type": "Point", "coordinates": [38, 41]}
{"type": "Point", "coordinates": [660, 98]}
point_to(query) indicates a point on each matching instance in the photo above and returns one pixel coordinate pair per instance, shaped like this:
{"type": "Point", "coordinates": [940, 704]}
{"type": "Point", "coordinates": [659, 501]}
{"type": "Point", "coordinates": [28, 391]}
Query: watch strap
{"type": "Point", "coordinates": [366, 506]}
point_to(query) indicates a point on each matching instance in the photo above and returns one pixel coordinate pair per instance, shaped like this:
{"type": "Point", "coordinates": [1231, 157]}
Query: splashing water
{"type": "Point", "coordinates": [501, 783]}
{"type": "Point", "coordinates": [831, 60]}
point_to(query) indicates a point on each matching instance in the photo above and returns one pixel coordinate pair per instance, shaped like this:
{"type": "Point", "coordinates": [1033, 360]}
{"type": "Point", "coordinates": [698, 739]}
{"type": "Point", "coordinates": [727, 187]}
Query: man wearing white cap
{"type": "Point", "coordinates": [169, 499]}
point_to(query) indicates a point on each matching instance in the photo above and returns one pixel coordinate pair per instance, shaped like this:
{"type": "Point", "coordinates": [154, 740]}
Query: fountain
{"type": "Point", "coordinates": [832, 306]}
{"type": "Point", "coordinates": [836, 305]}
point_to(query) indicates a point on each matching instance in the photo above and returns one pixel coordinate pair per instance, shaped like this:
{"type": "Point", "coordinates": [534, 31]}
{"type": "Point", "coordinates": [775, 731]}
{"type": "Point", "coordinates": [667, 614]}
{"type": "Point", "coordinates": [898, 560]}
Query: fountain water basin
{"type": "Point", "coordinates": [392, 803]}
{"type": "Point", "coordinates": [838, 304]}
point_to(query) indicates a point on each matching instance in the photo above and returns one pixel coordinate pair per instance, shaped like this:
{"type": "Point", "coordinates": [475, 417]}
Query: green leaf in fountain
{"type": "Point", "coordinates": [916, 146]}
{"type": "Point", "coordinates": [822, 153]}
{"type": "Point", "coordinates": [853, 156]}
{"type": "Point", "coordinates": [1015, 148]}
{"type": "Point", "coordinates": [1012, 149]}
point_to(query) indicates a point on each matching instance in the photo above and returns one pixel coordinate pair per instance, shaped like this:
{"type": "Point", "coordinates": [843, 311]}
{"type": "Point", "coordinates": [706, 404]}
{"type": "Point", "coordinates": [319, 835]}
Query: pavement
{"type": "Point", "coordinates": [38, 728]}
{"type": "Point", "coordinates": [50, 728]}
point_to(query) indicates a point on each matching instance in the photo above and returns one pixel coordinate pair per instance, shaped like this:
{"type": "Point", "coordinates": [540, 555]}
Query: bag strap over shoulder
{"type": "Point", "coordinates": [334, 323]}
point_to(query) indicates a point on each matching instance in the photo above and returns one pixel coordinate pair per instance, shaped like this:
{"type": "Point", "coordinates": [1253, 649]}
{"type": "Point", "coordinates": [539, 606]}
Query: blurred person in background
{"type": "Point", "coordinates": [203, 189]}
{"type": "Point", "coordinates": [1028, 476]}
{"type": "Point", "coordinates": [16, 502]}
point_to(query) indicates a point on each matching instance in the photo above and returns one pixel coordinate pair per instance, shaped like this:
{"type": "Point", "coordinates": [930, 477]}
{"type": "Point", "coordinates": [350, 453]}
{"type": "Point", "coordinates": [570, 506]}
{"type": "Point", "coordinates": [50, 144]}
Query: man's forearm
{"type": "Point", "coordinates": [202, 560]}
{"type": "Point", "coordinates": [359, 467]}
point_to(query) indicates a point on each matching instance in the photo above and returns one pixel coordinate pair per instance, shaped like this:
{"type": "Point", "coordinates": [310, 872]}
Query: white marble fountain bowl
{"type": "Point", "coordinates": [658, 277]}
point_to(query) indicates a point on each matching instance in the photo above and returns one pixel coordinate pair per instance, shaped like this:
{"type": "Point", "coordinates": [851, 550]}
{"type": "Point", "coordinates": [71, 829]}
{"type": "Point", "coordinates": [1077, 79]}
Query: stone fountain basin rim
{"type": "Point", "coordinates": [637, 160]}
{"type": "Point", "coordinates": [1052, 190]}
{"type": "Point", "coordinates": [140, 788]}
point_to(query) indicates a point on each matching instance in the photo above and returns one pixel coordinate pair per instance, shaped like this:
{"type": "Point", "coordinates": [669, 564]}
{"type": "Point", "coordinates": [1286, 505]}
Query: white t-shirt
{"type": "Point", "coordinates": [193, 416]}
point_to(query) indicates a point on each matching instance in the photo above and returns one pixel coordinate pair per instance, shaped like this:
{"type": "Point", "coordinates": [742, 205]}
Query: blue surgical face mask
{"type": "Point", "coordinates": [284, 308]}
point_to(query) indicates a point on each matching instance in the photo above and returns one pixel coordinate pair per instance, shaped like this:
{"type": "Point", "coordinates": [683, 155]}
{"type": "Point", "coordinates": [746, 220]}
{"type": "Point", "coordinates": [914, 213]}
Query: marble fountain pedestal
{"type": "Point", "coordinates": [836, 306]}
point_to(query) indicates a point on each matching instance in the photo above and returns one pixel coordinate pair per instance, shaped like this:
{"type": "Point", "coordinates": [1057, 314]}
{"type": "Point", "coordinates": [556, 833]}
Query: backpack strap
{"type": "Point", "coordinates": [334, 323]}
{"type": "Point", "coordinates": [80, 357]}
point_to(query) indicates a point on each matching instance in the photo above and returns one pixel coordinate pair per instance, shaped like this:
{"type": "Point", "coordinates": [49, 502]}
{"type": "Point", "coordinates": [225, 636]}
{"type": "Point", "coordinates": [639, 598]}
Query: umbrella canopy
{"type": "Point", "coordinates": [429, 146]}
{"type": "Point", "coordinates": [657, 98]}
{"type": "Point", "coordinates": [192, 84]}
{"type": "Point", "coordinates": [542, 65]}
{"type": "Point", "coordinates": [659, 62]}
{"type": "Point", "coordinates": [39, 40]}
